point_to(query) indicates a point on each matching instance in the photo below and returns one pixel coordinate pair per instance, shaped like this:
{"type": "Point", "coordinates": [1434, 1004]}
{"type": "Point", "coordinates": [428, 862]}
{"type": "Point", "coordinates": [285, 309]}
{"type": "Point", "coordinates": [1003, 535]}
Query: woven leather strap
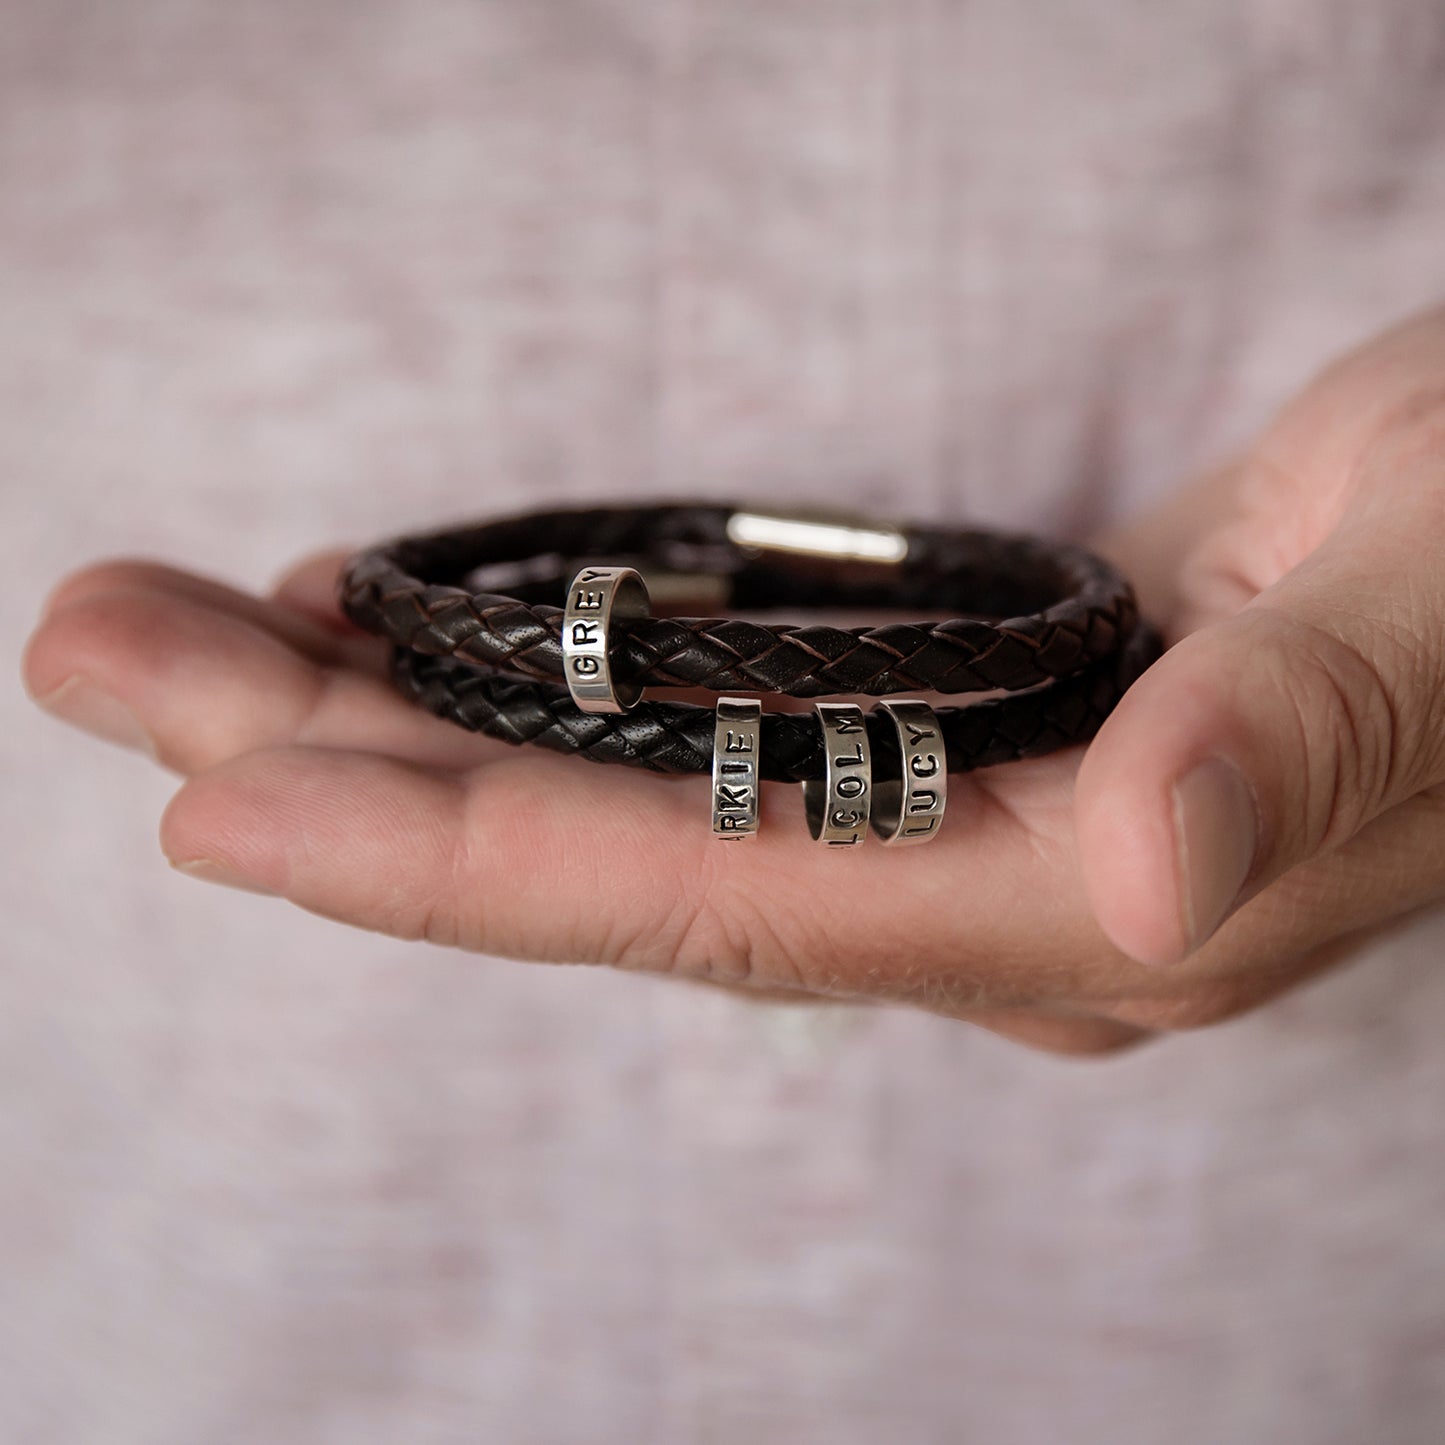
{"type": "Point", "coordinates": [678, 737]}
{"type": "Point", "coordinates": [1033, 612]}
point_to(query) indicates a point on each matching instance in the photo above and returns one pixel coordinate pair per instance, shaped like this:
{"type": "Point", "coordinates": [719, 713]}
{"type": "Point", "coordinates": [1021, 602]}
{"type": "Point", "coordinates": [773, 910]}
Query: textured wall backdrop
{"type": "Point", "coordinates": [285, 273]}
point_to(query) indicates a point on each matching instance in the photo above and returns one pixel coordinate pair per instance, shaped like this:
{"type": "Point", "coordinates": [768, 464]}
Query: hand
{"type": "Point", "coordinates": [1266, 797]}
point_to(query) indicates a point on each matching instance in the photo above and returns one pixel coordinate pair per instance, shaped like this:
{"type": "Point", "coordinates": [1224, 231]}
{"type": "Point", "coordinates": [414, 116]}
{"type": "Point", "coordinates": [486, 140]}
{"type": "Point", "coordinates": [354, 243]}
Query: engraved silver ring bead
{"type": "Point", "coordinates": [597, 596]}
{"type": "Point", "coordinates": [837, 805]}
{"type": "Point", "coordinates": [737, 734]}
{"type": "Point", "coordinates": [909, 808]}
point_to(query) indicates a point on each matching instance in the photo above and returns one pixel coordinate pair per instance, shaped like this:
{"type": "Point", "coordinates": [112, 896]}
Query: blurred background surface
{"type": "Point", "coordinates": [294, 273]}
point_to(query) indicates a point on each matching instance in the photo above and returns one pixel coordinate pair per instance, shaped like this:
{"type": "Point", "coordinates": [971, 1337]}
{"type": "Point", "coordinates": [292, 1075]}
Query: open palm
{"type": "Point", "coordinates": [1057, 905]}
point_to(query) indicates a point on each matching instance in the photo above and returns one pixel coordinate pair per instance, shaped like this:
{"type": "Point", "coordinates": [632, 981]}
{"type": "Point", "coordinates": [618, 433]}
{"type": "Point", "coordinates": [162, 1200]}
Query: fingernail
{"type": "Point", "coordinates": [210, 871]}
{"type": "Point", "coordinates": [81, 702]}
{"type": "Point", "coordinates": [1216, 832]}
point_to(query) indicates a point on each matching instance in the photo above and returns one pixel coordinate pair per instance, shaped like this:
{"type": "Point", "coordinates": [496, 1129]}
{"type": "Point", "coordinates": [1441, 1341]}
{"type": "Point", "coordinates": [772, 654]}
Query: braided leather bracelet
{"type": "Point", "coordinates": [1055, 608]}
{"type": "Point", "coordinates": [677, 737]}
{"type": "Point", "coordinates": [1065, 662]}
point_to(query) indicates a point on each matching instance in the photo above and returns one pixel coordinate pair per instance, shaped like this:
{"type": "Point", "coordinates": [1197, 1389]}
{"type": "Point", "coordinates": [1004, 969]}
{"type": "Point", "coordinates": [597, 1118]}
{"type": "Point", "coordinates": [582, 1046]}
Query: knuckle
{"type": "Point", "coordinates": [1370, 408]}
{"type": "Point", "coordinates": [1413, 426]}
{"type": "Point", "coordinates": [630, 907]}
{"type": "Point", "coordinates": [683, 935]}
{"type": "Point", "coordinates": [1348, 716]}
{"type": "Point", "coordinates": [719, 926]}
{"type": "Point", "coordinates": [717, 933]}
{"type": "Point", "coordinates": [683, 922]}
{"type": "Point", "coordinates": [430, 918]}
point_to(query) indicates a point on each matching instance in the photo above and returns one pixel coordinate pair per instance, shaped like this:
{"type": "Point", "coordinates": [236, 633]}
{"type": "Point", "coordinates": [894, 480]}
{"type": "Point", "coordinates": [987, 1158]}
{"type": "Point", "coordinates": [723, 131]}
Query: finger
{"type": "Point", "coordinates": [1314, 918]}
{"type": "Point", "coordinates": [543, 858]}
{"type": "Point", "coordinates": [1154, 550]}
{"type": "Point", "coordinates": [550, 859]}
{"type": "Point", "coordinates": [195, 673]}
{"type": "Point", "coordinates": [127, 574]}
{"type": "Point", "coordinates": [1278, 732]}
{"type": "Point", "coordinates": [310, 589]}
{"type": "Point", "coordinates": [499, 864]}
{"type": "Point", "coordinates": [542, 861]}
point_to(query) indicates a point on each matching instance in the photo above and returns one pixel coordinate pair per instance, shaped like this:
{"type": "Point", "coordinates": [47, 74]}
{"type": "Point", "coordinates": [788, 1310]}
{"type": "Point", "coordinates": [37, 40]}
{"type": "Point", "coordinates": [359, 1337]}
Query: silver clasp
{"type": "Point", "coordinates": [839, 536]}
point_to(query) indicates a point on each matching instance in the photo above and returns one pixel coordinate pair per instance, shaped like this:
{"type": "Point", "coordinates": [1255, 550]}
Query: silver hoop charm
{"type": "Point", "coordinates": [837, 805]}
{"type": "Point", "coordinates": [735, 742]}
{"type": "Point", "coordinates": [597, 596]}
{"type": "Point", "coordinates": [909, 808]}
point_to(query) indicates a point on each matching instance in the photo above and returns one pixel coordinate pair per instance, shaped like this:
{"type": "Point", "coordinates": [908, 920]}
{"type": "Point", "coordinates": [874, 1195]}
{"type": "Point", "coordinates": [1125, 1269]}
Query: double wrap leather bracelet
{"type": "Point", "coordinates": [480, 640]}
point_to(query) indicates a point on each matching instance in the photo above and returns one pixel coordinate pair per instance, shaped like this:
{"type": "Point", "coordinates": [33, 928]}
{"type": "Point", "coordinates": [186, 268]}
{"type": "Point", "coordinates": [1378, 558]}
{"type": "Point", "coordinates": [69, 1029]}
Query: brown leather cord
{"type": "Point", "coordinates": [678, 737]}
{"type": "Point", "coordinates": [1034, 612]}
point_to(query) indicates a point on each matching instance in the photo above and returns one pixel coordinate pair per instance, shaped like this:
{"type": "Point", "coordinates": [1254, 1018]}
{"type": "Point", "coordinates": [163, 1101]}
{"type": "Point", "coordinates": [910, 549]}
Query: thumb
{"type": "Point", "coordinates": [1269, 736]}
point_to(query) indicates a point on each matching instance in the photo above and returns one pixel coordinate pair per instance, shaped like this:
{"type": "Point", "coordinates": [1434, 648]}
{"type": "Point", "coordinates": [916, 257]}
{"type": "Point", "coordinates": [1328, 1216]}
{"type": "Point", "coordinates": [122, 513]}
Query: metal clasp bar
{"type": "Point", "coordinates": [840, 536]}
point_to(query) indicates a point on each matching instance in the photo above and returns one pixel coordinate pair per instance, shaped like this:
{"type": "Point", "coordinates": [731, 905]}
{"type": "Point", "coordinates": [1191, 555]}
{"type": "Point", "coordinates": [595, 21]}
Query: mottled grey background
{"type": "Point", "coordinates": [284, 273]}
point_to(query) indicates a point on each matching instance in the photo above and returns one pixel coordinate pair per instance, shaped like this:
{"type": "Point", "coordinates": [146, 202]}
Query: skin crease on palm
{"type": "Point", "coordinates": [1062, 905]}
